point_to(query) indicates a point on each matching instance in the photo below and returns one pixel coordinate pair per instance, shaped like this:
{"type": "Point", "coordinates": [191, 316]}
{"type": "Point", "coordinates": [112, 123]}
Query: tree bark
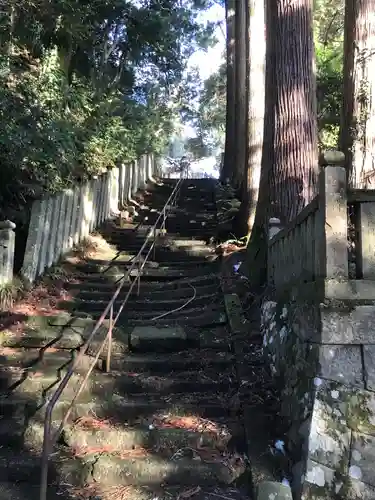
{"type": "Point", "coordinates": [255, 264]}
{"type": "Point", "coordinates": [241, 94]}
{"type": "Point", "coordinates": [294, 173]}
{"type": "Point", "coordinates": [230, 132]}
{"type": "Point", "coordinates": [357, 133]}
{"type": "Point", "coordinates": [256, 108]}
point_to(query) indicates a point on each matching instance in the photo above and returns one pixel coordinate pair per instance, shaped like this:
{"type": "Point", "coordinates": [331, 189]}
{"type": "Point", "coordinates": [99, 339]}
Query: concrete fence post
{"type": "Point", "coordinates": [68, 220]}
{"type": "Point", "coordinates": [46, 235]}
{"type": "Point", "coordinates": [52, 250]}
{"type": "Point", "coordinates": [274, 226]}
{"type": "Point", "coordinates": [114, 195]}
{"type": "Point", "coordinates": [135, 173]}
{"type": "Point", "coordinates": [129, 181]}
{"type": "Point", "coordinates": [7, 244]}
{"type": "Point", "coordinates": [121, 186]}
{"type": "Point", "coordinates": [333, 222]}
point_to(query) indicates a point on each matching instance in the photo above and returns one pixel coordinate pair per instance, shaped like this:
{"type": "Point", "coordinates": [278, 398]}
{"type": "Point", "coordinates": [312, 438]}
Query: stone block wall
{"type": "Point", "coordinates": [322, 353]}
{"type": "Point", "coordinates": [60, 221]}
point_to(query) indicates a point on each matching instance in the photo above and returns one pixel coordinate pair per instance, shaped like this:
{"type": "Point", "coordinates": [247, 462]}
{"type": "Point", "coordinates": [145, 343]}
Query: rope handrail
{"type": "Point", "coordinates": [49, 438]}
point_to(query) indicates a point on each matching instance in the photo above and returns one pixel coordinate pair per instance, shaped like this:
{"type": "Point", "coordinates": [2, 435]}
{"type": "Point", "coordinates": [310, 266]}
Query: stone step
{"type": "Point", "coordinates": [194, 359]}
{"type": "Point", "coordinates": [162, 437]}
{"type": "Point", "coordinates": [195, 318]}
{"type": "Point", "coordinates": [134, 306]}
{"type": "Point", "coordinates": [25, 491]}
{"type": "Point", "coordinates": [69, 332]}
{"type": "Point", "coordinates": [101, 265]}
{"type": "Point", "coordinates": [114, 274]}
{"type": "Point", "coordinates": [132, 237]}
{"type": "Point", "coordinates": [139, 409]}
{"type": "Point", "coordinates": [37, 358]}
{"type": "Point", "coordinates": [161, 434]}
{"type": "Point", "coordinates": [32, 381]}
{"type": "Point", "coordinates": [190, 250]}
{"type": "Point", "coordinates": [151, 287]}
{"type": "Point", "coordinates": [112, 470]}
{"type": "Point", "coordinates": [146, 293]}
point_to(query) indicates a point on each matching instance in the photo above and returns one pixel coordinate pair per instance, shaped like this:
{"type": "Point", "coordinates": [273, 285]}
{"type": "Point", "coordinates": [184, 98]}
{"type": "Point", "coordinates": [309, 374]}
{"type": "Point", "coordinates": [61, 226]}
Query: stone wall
{"type": "Point", "coordinates": [60, 221]}
{"type": "Point", "coordinates": [322, 354]}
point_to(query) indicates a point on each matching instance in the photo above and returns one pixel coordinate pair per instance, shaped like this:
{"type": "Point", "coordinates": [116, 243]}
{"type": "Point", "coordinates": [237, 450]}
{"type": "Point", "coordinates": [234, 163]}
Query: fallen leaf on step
{"type": "Point", "coordinates": [189, 493]}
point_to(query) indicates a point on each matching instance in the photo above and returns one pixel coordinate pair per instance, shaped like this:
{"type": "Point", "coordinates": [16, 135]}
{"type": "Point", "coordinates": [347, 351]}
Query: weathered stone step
{"type": "Point", "coordinates": [140, 409]}
{"type": "Point", "coordinates": [163, 439]}
{"type": "Point", "coordinates": [117, 234]}
{"type": "Point", "coordinates": [133, 306]}
{"type": "Point", "coordinates": [53, 359]}
{"type": "Point", "coordinates": [35, 359]}
{"type": "Point", "coordinates": [158, 274]}
{"type": "Point", "coordinates": [101, 265]}
{"type": "Point", "coordinates": [183, 249]}
{"type": "Point", "coordinates": [146, 293]}
{"type": "Point", "coordinates": [69, 332]}
{"type": "Point", "coordinates": [161, 492]}
{"type": "Point", "coordinates": [112, 470]}
{"type": "Point", "coordinates": [193, 359]}
{"type": "Point", "coordinates": [151, 287]}
{"type": "Point", "coordinates": [28, 382]}
{"type": "Point", "coordinates": [195, 318]}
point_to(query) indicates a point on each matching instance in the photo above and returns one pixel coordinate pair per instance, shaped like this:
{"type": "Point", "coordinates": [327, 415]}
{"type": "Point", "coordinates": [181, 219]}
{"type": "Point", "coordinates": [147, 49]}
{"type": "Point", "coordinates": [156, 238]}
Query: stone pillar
{"type": "Point", "coordinates": [135, 177]}
{"type": "Point", "coordinates": [7, 244]}
{"type": "Point", "coordinates": [274, 226]}
{"type": "Point", "coordinates": [121, 191]}
{"type": "Point", "coordinates": [101, 200]}
{"type": "Point", "coordinates": [114, 194]}
{"type": "Point", "coordinates": [86, 210]}
{"type": "Point", "coordinates": [54, 230]}
{"type": "Point", "coordinates": [92, 190]}
{"type": "Point", "coordinates": [68, 220]}
{"type": "Point", "coordinates": [333, 223]}
{"type": "Point", "coordinates": [34, 239]}
{"type": "Point", "coordinates": [46, 230]}
{"type": "Point", "coordinates": [142, 172]}
{"type": "Point", "coordinates": [74, 226]}
{"type": "Point", "coordinates": [129, 182]}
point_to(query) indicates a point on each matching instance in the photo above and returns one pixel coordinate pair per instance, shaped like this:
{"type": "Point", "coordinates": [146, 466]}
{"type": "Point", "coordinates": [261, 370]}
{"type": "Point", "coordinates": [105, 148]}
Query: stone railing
{"type": "Point", "coordinates": [314, 245]}
{"type": "Point", "coordinates": [59, 222]}
{"type": "Point", "coordinates": [319, 339]}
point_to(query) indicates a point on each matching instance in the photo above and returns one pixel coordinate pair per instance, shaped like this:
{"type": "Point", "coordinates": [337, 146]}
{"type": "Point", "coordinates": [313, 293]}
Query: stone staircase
{"type": "Point", "coordinates": [164, 422]}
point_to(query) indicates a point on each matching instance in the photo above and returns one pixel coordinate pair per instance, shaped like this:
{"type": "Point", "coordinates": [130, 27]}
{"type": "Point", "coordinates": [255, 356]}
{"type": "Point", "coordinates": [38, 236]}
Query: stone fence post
{"type": "Point", "coordinates": [7, 243]}
{"type": "Point", "coordinates": [333, 223]}
{"type": "Point", "coordinates": [274, 226]}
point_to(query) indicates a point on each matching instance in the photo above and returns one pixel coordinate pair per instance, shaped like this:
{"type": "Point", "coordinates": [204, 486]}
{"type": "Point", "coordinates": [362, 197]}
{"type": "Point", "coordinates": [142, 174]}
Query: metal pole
{"type": "Point", "coordinates": [109, 346]}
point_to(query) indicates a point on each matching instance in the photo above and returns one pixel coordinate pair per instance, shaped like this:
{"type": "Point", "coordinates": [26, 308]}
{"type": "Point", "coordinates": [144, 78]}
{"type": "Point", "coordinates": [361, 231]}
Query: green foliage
{"type": "Point", "coordinates": [86, 84]}
{"type": "Point", "coordinates": [329, 34]}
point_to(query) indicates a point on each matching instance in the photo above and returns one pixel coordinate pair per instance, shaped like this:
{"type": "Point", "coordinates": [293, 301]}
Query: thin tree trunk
{"type": "Point", "coordinates": [357, 134]}
{"type": "Point", "coordinates": [255, 264]}
{"type": "Point", "coordinates": [293, 179]}
{"type": "Point", "coordinates": [241, 94]}
{"type": "Point", "coordinates": [256, 100]}
{"type": "Point", "coordinates": [230, 133]}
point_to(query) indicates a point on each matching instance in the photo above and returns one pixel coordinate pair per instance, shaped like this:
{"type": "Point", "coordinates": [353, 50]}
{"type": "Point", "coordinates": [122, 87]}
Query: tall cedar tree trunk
{"type": "Point", "coordinates": [230, 131]}
{"type": "Point", "coordinates": [255, 264]}
{"type": "Point", "coordinates": [294, 173]}
{"type": "Point", "coordinates": [357, 134]}
{"type": "Point", "coordinates": [256, 108]}
{"type": "Point", "coordinates": [241, 94]}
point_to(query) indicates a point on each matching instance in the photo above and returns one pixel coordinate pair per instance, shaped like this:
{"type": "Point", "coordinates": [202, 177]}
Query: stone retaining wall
{"type": "Point", "coordinates": [58, 222]}
{"type": "Point", "coordinates": [322, 353]}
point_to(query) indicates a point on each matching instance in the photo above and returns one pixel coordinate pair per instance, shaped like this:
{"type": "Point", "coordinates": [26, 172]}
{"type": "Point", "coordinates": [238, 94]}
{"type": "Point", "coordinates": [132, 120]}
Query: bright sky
{"type": "Point", "coordinates": [207, 63]}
